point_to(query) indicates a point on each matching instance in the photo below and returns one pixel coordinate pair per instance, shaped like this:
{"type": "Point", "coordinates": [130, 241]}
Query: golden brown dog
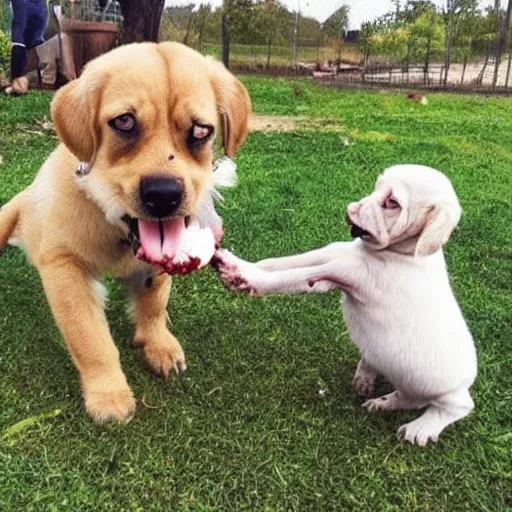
{"type": "Point", "coordinates": [144, 117]}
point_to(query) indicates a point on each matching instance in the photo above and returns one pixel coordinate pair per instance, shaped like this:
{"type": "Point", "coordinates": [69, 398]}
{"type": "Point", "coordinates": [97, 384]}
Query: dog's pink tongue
{"type": "Point", "coordinates": [160, 240]}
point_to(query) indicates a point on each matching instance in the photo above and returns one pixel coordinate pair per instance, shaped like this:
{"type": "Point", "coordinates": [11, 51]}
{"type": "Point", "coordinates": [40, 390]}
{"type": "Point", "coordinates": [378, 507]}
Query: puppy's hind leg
{"type": "Point", "coordinates": [161, 349]}
{"type": "Point", "coordinates": [441, 412]}
{"type": "Point", "coordinates": [9, 216]}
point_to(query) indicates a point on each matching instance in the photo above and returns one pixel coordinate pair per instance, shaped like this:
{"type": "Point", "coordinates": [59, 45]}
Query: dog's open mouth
{"type": "Point", "coordinates": [357, 231]}
{"type": "Point", "coordinates": [177, 245]}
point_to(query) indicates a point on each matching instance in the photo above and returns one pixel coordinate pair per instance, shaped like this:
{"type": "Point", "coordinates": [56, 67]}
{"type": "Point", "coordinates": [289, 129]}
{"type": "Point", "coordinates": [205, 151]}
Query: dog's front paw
{"type": "Point", "coordinates": [106, 401]}
{"type": "Point", "coordinates": [162, 351]}
{"type": "Point", "coordinates": [234, 272]}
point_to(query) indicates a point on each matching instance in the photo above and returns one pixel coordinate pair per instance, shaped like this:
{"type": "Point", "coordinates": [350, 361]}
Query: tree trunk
{"type": "Point", "coordinates": [508, 68]}
{"type": "Point", "coordinates": [502, 42]}
{"type": "Point", "coordinates": [448, 40]}
{"type": "Point", "coordinates": [269, 51]}
{"type": "Point", "coordinates": [338, 65]}
{"type": "Point", "coordinates": [225, 37]}
{"type": "Point", "coordinates": [189, 28]}
{"type": "Point", "coordinates": [408, 59]}
{"type": "Point", "coordinates": [141, 20]}
{"type": "Point", "coordinates": [366, 62]}
{"type": "Point", "coordinates": [480, 77]}
{"type": "Point", "coordinates": [464, 64]}
{"type": "Point", "coordinates": [201, 32]}
{"type": "Point", "coordinates": [427, 62]}
{"type": "Point", "coordinates": [294, 42]}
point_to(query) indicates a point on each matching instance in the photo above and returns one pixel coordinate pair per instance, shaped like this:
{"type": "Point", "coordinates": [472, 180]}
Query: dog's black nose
{"type": "Point", "coordinates": [161, 196]}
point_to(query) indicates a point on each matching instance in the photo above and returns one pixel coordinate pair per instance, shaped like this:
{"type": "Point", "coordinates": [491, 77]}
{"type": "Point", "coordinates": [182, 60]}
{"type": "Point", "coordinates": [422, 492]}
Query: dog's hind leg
{"type": "Point", "coordinates": [9, 216]}
{"type": "Point", "coordinates": [441, 412]}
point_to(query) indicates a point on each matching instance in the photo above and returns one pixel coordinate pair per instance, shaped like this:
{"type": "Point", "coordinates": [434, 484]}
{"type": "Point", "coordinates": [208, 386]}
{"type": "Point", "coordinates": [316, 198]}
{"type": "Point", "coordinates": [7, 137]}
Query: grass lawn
{"type": "Point", "coordinates": [247, 427]}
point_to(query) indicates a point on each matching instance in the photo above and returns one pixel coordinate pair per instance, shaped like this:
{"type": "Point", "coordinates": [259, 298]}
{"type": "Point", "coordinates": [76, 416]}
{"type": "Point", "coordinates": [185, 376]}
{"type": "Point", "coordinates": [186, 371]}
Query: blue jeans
{"type": "Point", "coordinates": [29, 19]}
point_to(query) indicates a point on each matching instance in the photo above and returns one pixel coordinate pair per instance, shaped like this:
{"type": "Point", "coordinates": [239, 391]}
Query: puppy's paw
{"type": "Point", "coordinates": [420, 432]}
{"type": "Point", "coordinates": [382, 403]}
{"type": "Point", "coordinates": [236, 274]}
{"type": "Point", "coordinates": [106, 401]}
{"type": "Point", "coordinates": [162, 351]}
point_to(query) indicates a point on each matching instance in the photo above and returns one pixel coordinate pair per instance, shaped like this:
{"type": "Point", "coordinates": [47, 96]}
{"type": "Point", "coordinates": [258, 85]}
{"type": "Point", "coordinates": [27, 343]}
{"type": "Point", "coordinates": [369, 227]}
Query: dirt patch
{"type": "Point", "coordinates": [289, 124]}
{"type": "Point", "coordinates": [272, 124]}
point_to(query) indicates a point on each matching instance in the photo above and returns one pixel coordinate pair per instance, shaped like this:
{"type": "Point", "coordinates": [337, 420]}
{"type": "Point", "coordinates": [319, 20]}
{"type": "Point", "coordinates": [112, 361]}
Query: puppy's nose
{"type": "Point", "coordinates": [161, 196]}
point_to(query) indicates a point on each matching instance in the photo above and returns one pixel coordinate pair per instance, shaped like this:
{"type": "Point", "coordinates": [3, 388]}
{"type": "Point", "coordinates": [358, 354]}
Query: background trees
{"type": "Point", "coordinates": [413, 33]}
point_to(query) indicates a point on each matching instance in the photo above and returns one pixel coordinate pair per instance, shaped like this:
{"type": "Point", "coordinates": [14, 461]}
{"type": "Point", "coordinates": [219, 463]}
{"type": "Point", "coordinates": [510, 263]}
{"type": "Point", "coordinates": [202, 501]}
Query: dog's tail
{"type": "Point", "coordinates": [9, 216]}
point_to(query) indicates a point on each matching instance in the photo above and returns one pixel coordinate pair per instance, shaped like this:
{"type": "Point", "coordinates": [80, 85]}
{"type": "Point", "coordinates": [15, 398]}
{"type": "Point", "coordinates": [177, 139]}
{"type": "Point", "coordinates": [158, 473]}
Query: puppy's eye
{"type": "Point", "coordinates": [199, 134]}
{"type": "Point", "coordinates": [391, 204]}
{"type": "Point", "coordinates": [124, 124]}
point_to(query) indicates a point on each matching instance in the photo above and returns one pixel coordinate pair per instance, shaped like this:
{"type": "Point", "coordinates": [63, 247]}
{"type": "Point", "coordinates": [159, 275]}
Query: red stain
{"type": "Point", "coordinates": [168, 266]}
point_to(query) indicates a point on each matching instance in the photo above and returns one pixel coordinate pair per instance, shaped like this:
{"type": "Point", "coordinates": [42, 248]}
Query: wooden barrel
{"type": "Point", "coordinates": [89, 39]}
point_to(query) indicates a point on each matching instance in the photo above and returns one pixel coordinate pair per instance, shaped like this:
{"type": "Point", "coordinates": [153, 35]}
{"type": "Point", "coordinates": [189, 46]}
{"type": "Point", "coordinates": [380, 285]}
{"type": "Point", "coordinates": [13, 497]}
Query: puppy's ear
{"type": "Point", "coordinates": [73, 115]}
{"type": "Point", "coordinates": [441, 221]}
{"type": "Point", "coordinates": [234, 106]}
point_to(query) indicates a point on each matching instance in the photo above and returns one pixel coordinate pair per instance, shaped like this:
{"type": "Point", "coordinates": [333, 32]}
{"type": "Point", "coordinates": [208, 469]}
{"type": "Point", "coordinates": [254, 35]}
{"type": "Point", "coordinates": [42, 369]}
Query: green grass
{"type": "Point", "coordinates": [246, 428]}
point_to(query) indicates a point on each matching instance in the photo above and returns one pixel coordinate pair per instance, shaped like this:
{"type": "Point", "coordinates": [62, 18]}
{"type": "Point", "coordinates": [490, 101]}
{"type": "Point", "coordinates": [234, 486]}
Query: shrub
{"type": "Point", "coordinates": [5, 53]}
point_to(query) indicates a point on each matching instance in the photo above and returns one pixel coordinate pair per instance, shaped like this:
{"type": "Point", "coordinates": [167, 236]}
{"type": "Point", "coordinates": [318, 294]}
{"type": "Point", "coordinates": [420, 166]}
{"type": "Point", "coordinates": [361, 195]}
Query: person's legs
{"type": "Point", "coordinates": [36, 20]}
{"type": "Point", "coordinates": [19, 48]}
{"type": "Point", "coordinates": [28, 25]}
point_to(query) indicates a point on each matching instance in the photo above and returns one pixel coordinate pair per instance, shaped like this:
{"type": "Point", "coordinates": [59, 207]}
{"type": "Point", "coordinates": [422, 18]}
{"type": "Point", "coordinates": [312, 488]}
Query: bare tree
{"type": "Point", "coordinates": [335, 25]}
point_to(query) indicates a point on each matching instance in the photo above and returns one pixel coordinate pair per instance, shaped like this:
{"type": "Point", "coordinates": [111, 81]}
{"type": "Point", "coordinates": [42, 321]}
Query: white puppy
{"type": "Point", "coordinates": [398, 303]}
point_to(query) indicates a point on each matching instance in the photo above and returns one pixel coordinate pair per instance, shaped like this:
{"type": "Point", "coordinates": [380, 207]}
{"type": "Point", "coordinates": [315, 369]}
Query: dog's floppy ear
{"type": "Point", "coordinates": [234, 107]}
{"type": "Point", "coordinates": [73, 114]}
{"type": "Point", "coordinates": [441, 221]}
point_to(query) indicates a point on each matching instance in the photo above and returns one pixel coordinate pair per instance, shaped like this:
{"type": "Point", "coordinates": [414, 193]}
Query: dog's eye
{"type": "Point", "coordinates": [124, 124]}
{"type": "Point", "coordinates": [199, 133]}
{"type": "Point", "coordinates": [391, 204]}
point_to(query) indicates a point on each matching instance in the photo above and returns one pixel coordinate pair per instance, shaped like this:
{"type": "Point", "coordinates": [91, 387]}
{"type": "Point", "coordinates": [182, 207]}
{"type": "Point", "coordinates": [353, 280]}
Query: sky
{"type": "Point", "coordinates": [360, 10]}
